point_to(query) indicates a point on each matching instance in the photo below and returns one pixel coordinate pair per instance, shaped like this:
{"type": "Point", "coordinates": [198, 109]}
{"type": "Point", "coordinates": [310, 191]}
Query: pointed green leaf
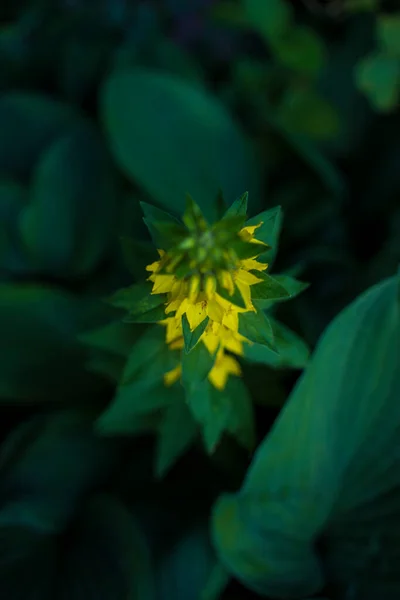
{"type": "Point", "coordinates": [269, 288]}
{"type": "Point", "coordinates": [256, 327]}
{"type": "Point", "coordinates": [212, 409]}
{"type": "Point", "coordinates": [238, 207]}
{"type": "Point", "coordinates": [177, 432]}
{"type": "Point", "coordinates": [150, 316]}
{"type": "Point", "coordinates": [154, 214]}
{"type": "Point", "coordinates": [196, 366]}
{"type": "Point", "coordinates": [290, 350]}
{"type": "Point", "coordinates": [115, 337]}
{"type": "Point", "coordinates": [247, 249]}
{"type": "Point", "coordinates": [235, 299]}
{"type": "Point", "coordinates": [193, 217]}
{"type": "Point", "coordinates": [192, 337]}
{"type": "Point", "coordinates": [269, 231]}
{"type": "Point", "coordinates": [136, 298]}
{"type": "Point", "coordinates": [293, 286]}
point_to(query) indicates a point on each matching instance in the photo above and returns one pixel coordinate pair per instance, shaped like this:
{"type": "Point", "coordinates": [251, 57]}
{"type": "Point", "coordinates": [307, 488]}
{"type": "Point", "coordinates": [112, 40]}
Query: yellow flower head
{"type": "Point", "coordinates": [206, 277]}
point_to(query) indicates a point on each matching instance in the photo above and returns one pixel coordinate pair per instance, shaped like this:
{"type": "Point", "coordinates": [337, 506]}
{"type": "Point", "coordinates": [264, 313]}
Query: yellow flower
{"type": "Point", "coordinates": [196, 296]}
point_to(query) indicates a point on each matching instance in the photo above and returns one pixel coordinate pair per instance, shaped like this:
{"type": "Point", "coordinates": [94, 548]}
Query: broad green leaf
{"type": "Point", "coordinates": [289, 350]}
{"type": "Point", "coordinates": [268, 232]}
{"type": "Point", "coordinates": [247, 249]}
{"type": "Point", "coordinates": [54, 459]}
{"type": "Point", "coordinates": [107, 557]}
{"type": "Point", "coordinates": [68, 225]}
{"type": "Point", "coordinates": [146, 348]}
{"type": "Point", "coordinates": [269, 288]}
{"type": "Point", "coordinates": [191, 338]}
{"type": "Point", "coordinates": [236, 298]}
{"type": "Point", "coordinates": [152, 215]}
{"type": "Point", "coordinates": [29, 124]}
{"type": "Point", "coordinates": [196, 366]}
{"type": "Point", "coordinates": [176, 433]}
{"type": "Point", "coordinates": [328, 470]}
{"type": "Point", "coordinates": [41, 357]}
{"type": "Point", "coordinates": [198, 133]}
{"type": "Point", "coordinates": [378, 76]}
{"type": "Point", "coordinates": [114, 337]}
{"type": "Point", "coordinates": [300, 49]}
{"type": "Point", "coordinates": [389, 34]}
{"type": "Point", "coordinates": [13, 198]}
{"type": "Point", "coordinates": [238, 207]}
{"type": "Point", "coordinates": [293, 286]}
{"type": "Point", "coordinates": [272, 18]}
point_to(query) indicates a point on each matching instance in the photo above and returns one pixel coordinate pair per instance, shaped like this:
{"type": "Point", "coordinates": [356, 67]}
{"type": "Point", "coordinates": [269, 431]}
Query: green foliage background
{"type": "Point", "coordinates": [105, 105]}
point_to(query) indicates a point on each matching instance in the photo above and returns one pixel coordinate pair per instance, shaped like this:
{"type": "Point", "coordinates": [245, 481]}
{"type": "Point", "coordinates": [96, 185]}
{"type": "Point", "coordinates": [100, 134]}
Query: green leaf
{"type": "Point", "coordinates": [151, 149]}
{"type": "Point", "coordinates": [41, 357]}
{"type": "Point", "coordinates": [192, 337]}
{"type": "Point", "coordinates": [212, 409]}
{"type": "Point", "coordinates": [54, 459]}
{"type": "Point", "coordinates": [327, 469]}
{"type": "Point", "coordinates": [378, 76]}
{"type": "Point", "coordinates": [271, 18]}
{"type": "Point", "coordinates": [30, 123]}
{"type": "Point", "coordinates": [196, 366]}
{"type": "Point", "coordinates": [247, 249]}
{"type": "Point", "coordinates": [304, 111]}
{"type": "Point", "coordinates": [132, 405]}
{"type": "Point", "coordinates": [236, 298]}
{"type": "Point", "coordinates": [301, 49]}
{"type": "Point", "coordinates": [68, 226]}
{"type": "Point", "coordinates": [289, 351]}
{"type": "Point", "coordinates": [150, 349]}
{"type": "Point", "coordinates": [176, 434]}
{"type": "Point", "coordinates": [193, 217]}
{"type": "Point", "coordinates": [238, 207]}
{"type": "Point", "coordinates": [269, 231]}
{"type": "Point", "coordinates": [241, 422]}
{"type": "Point", "coordinates": [114, 337]}
{"type": "Point", "coordinates": [154, 315]}
{"type": "Point", "coordinates": [269, 288]}
{"type": "Point", "coordinates": [389, 34]}
{"type": "Point", "coordinates": [137, 256]}
{"type": "Point", "coordinates": [168, 234]}
{"type": "Point", "coordinates": [136, 298]}
{"type": "Point", "coordinates": [293, 286]}
{"type": "Point", "coordinates": [256, 328]}
{"type": "Point", "coordinates": [153, 215]}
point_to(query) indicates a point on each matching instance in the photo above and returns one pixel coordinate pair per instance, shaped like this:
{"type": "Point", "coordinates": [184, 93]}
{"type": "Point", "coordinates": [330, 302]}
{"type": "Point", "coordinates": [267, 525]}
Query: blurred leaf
{"type": "Point", "coordinates": [176, 434]}
{"type": "Point", "coordinates": [238, 207]}
{"type": "Point", "coordinates": [136, 298]}
{"type": "Point", "coordinates": [183, 572]}
{"type": "Point", "coordinates": [389, 34]}
{"type": "Point", "coordinates": [41, 358]}
{"type": "Point", "coordinates": [241, 422]}
{"type": "Point", "coordinates": [137, 256]}
{"type": "Point", "coordinates": [102, 556]}
{"type": "Point", "coordinates": [305, 111]}
{"type": "Point", "coordinates": [154, 315]}
{"type": "Point", "coordinates": [378, 76]}
{"type": "Point", "coordinates": [114, 337]}
{"type": "Point", "coordinates": [300, 49]}
{"type": "Point", "coordinates": [53, 460]}
{"type": "Point", "coordinates": [191, 338]}
{"type": "Point", "coordinates": [272, 18]}
{"type": "Point", "coordinates": [70, 222]}
{"type": "Point", "coordinates": [328, 470]}
{"type": "Point", "coordinates": [198, 133]}
{"type": "Point", "coordinates": [30, 123]}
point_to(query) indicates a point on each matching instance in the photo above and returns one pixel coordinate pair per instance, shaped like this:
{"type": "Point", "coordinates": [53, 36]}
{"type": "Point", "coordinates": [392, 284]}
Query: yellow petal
{"type": "Point", "coordinates": [196, 313]}
{"type": "Point", "coordinates": [215, 311]}
{"type": "Point", "coordinates": [194, 288]}
{"type": "Point", "coordinates": [174, 305]}
{"type": "Point", "coordinates": [223, 367]}
{"type": "Point", "coordinates": [226, 281]}
{"type": "Point", "coordinates": [246, 277]}
{"type": "Point", "coordinates": [210, 286]}
{"type": "Point", "coordinates": [154, 266]}
{"type": "Point", "coordinates": [210, 340]}
{"type": "Point", "coordinates": [246, 233]}
{"type": "Point", "coordinates": [174, 329]}
{"type": "Point", "coordinates": [161, 252]}
{"type": "Point", "coordinates": [163, 284]}
{"type": "Point", "coordinates": [244, 289]}
{"type": "Point", "coordinates": [250, 264]}
{"type": "Point", "coordinates": [172, 376]}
